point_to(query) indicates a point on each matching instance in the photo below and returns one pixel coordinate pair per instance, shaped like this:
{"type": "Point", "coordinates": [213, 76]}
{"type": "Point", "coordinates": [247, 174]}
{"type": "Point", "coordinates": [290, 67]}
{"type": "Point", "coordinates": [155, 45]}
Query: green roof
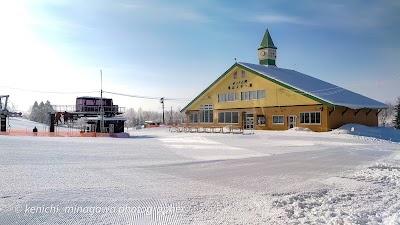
{"type": "Point", "coordinates": [267, 41]}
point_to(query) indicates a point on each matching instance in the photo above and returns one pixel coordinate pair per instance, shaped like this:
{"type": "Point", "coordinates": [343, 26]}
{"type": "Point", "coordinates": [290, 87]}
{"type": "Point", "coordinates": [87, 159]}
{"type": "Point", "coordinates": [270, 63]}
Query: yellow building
{"type": "Point", "coordinates": [265, 97]}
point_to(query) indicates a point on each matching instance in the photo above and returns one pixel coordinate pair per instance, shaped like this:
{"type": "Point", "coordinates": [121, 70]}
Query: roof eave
{"type": "Point", "coordinates": [208, 88]}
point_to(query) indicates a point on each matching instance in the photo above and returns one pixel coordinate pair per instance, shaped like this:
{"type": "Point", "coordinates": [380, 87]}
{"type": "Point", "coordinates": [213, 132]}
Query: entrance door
{"type": "Point", "coordinates": [291, 121]}
{"type": "Point", "coordinates": [111, 128]}
{"type": "Point", "coordinates": [249, 121]}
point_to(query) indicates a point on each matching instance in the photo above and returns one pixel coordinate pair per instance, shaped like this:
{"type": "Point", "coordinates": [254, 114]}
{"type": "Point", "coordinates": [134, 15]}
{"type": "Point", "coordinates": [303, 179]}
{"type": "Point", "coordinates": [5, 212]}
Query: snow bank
{"type": "Point", "coordinates": [383, 133]}
{"type": "Point", "coordinates": [371, 199]}
{"type": "Point", "coordinates": [300, 129]}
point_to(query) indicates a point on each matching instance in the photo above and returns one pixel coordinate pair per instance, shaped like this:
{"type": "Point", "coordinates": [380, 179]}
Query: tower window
{"type": "Point", "coordinates": [243, 74]}
{"type": "Point", "coordinates": [235, 75]}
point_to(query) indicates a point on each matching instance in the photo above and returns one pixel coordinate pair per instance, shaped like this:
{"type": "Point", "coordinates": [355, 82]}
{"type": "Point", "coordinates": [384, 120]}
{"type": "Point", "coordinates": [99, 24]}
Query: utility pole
{"type": "Point", "coordinates": [171, 120]}
{"type": "Point", "coordinates": [101, 103]}
{"type": "Point", "coordinates": [162, 102]}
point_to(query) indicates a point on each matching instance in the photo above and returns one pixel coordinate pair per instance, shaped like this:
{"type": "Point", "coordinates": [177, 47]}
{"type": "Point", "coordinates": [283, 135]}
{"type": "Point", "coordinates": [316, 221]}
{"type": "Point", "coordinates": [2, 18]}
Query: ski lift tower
{"type": "Point", "coordinates": [3, 112]}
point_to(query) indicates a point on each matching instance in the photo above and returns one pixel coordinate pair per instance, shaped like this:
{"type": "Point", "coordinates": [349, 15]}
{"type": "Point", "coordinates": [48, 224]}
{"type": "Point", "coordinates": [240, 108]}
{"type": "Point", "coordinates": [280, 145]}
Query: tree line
{"type": "Point", "coordinates": [39, 112]}
{"type": "Point", "coordinates": [139, 117]}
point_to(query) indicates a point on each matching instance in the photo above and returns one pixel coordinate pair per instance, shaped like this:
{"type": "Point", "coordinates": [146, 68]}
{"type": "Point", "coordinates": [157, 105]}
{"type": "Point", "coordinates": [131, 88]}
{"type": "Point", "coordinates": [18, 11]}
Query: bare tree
{"type": "Point", "coordinates": [386, 117]}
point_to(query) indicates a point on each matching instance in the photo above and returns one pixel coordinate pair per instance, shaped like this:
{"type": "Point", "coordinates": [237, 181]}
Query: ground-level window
{"type": "Point", "coordinates": [277, 119]}
{"type": "Point", "coordinates": [310, 117]}
{"type": "Point", "coordinates": [193, 117]}
{"type": "Point", "coordinates": [228, 117]}
{"type": "Point", "coordinates": [261, 120]}
{"type": "Point", "coordinates": [206, 114]}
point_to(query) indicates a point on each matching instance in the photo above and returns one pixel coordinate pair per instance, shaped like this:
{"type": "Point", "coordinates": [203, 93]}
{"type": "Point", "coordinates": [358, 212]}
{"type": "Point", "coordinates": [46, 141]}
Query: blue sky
{"type": "Point", "coordinates": [175, 49]}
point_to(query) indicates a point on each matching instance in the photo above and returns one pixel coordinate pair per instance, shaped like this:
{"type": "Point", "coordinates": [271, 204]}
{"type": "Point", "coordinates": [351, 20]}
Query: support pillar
{"type": "Point", "coordinates": [52, 119]}
{"type": "Point", "coordinates": [3, 124]}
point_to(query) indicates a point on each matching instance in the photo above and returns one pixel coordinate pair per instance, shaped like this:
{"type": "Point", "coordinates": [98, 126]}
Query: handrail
{"type": "Point", "coordinates": [72, 108]}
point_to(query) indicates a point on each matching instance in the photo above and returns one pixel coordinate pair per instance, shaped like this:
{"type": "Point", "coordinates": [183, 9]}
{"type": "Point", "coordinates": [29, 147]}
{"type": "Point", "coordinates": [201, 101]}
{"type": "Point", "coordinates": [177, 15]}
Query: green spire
{"type": "Point", "coordinates": [267, 41]}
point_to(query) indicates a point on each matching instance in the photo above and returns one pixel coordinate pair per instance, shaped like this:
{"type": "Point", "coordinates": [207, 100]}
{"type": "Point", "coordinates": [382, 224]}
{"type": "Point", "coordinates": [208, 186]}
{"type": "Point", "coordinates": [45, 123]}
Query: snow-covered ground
{"type": "Point", "coordinates": [270, 177]}
{"type": "Point", "coordinates": [22, 124]}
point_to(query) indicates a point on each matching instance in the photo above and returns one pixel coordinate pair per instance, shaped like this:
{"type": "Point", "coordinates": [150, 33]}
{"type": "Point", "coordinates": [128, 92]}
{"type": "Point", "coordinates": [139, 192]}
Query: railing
{"type": "Point", "coordinates": [93, 109]}
{"type": "Point", "coordinates": [63, 108]}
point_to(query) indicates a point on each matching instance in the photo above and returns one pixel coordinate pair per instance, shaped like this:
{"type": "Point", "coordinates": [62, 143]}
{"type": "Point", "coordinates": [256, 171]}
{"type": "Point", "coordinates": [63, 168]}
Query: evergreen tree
{"type": "Point", "coordinates": [34, 112]}
{"type": "Point", "coordinates": [396, 120]}
{"type": "Point", "coordinates": [47, 109]}
{"type": "Point", "coordinates": [40, 112]}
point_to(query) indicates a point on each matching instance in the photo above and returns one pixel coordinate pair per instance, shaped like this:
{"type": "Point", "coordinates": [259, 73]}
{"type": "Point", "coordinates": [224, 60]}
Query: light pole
{"type": "Point", "coordinates": [162, 102]}
{"type": "Point", "coordinates": [101, 103]}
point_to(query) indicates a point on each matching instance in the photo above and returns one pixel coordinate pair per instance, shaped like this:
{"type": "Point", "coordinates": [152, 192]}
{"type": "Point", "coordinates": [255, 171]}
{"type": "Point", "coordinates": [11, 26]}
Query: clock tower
{"type": "Point", "coordinates": [267, 51]}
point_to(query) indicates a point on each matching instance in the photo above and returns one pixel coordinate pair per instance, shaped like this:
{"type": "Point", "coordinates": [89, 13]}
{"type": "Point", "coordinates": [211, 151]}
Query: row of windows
{"type": "Point", "coordinates": [310, 118]}
{"type": "Point", "coordinates": [228, 97]}
{"type": "Point", "coordinates": [253, 95]}
{"type": "Point", "coordinates": [228, 117]}
{"type": "Point", "coordinates": [206, 116]}
{"type": "Point", "coordinates": [245, 96]}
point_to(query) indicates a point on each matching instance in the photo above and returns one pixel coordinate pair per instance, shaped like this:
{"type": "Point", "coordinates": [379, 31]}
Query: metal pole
{"type": "Point", "coordinates": [162, 102]}
{"type": "Point", "coordinates": [163, 117]}
{"type": "Point", "coordinates": [101, 103]}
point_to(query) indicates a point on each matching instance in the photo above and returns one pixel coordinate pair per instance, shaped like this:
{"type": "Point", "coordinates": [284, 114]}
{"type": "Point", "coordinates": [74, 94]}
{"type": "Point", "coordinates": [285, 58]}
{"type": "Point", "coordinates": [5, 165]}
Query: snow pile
{"type": "Point", "coordinates": [383, 133]}
{"type": "Point", "coordinates": [300, 129]}
{"type": "Point", "coordinates": [368, 196]}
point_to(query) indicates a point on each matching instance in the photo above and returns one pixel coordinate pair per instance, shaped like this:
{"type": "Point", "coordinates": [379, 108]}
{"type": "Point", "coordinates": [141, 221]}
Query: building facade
{"type": "Point", "coordinates": [265, 97]}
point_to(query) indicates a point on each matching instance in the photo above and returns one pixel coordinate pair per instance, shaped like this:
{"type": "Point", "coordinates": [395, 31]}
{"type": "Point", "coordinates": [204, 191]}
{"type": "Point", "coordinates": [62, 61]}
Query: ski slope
{"type": "Point", "coordinates": [19, 123]}
{"type": "Point", "coordinates": [270, 177]}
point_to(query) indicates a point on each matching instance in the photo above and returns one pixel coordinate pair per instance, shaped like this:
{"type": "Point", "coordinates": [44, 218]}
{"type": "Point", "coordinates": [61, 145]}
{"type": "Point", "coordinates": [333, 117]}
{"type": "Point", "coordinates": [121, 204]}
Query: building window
{"type": "Point", "coordinates": [228, 97]}
{"type": "Point", "coordinates": [260, 94]}
{"type": "Point", "coordinates": [261, 121]}
{"type": "Point", "coordinates": [277, 119]}
{"type": "Point", "coordinates": [193, 117]}
{"type": "Point", "coordinates": [206, 114]}
{"type": "Point", "coordinates": [243, 74]}
{"type": "Point", "coordinates": [253, 95]}
{"type": "Point", "coordinates": [228, 117]}
{"type": "Point", "coordinates": [310, 118]}
{"type": "Point", "coordinates": [235, 75]}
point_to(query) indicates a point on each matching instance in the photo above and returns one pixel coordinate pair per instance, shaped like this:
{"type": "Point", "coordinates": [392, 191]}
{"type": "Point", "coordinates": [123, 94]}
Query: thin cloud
{"type": "Point", "coordinates": [279, 19]}
{"type": "Point", "coordinates": [355, 14]}
{"type": "Point", "coordinates": [165, 13]}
